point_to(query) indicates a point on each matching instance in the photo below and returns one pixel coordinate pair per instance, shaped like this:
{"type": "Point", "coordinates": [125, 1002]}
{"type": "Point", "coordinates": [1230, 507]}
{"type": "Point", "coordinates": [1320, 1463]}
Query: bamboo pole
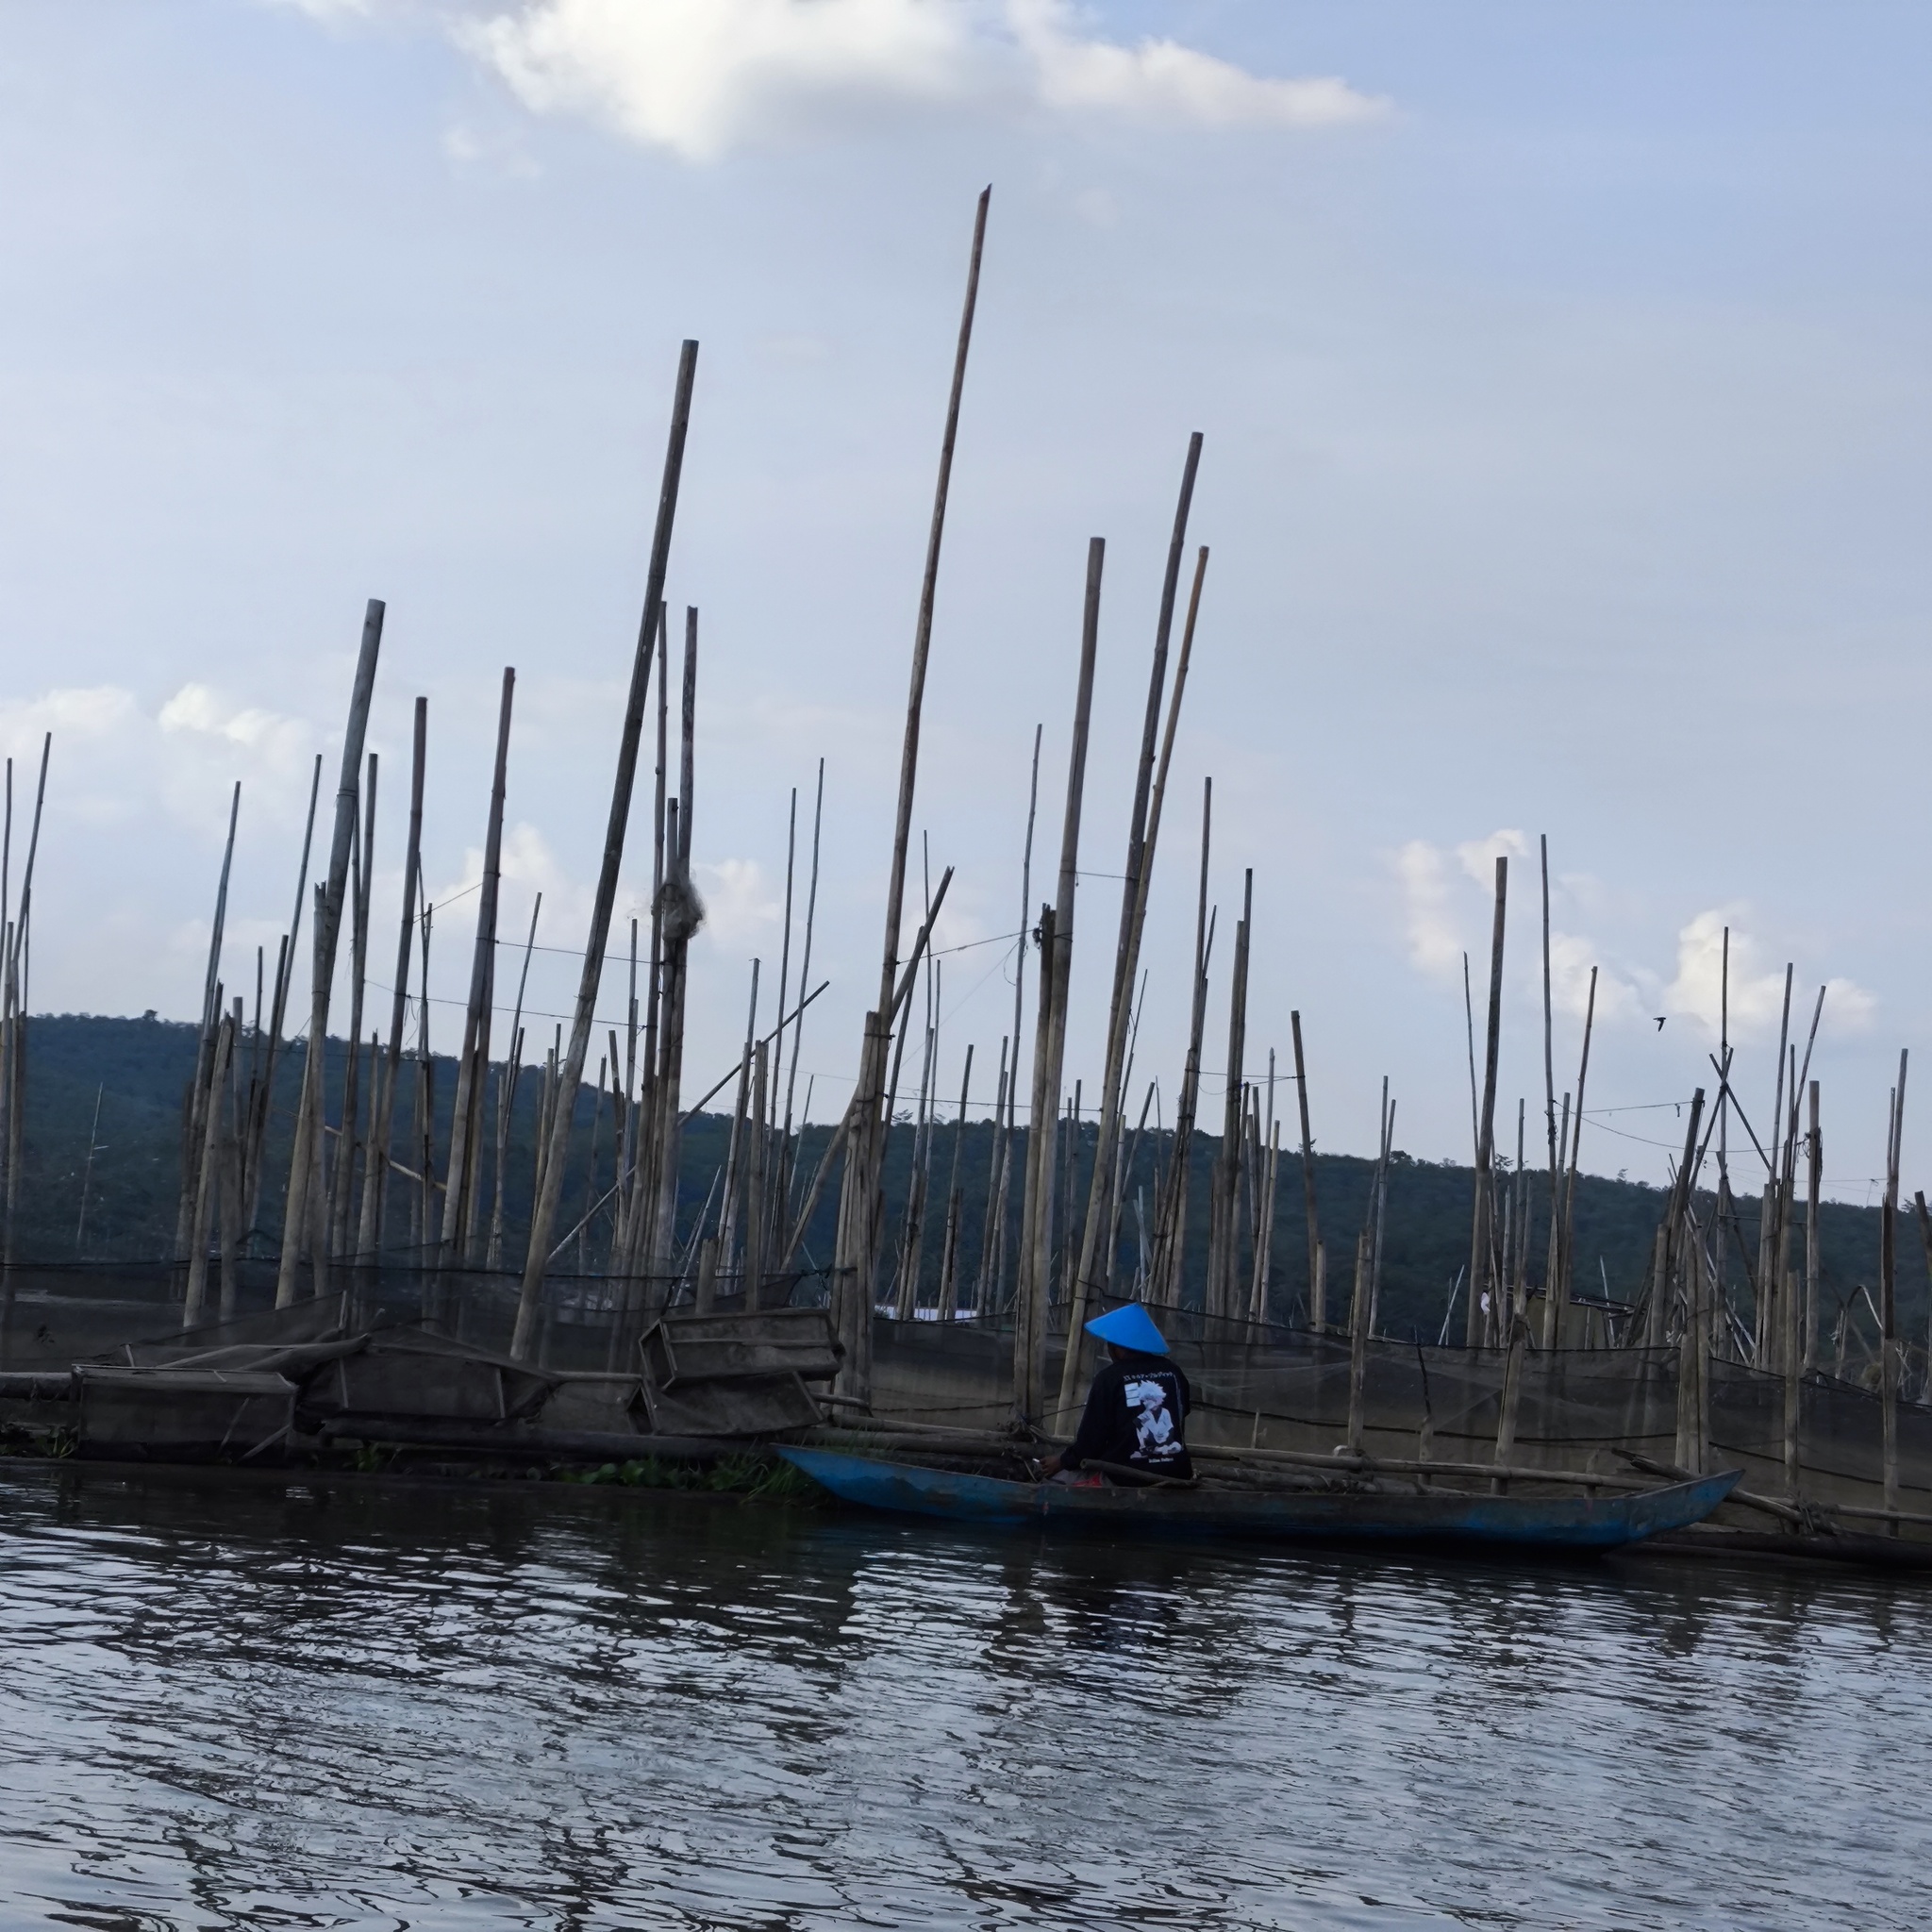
{"type": "Point", "coordinates": [1094, 1266]}
{"type": "Point", "coordinates": [1481, 1261]}
{"type": "Point", "coordinates": [1358, 1343]}
{"type": "Point", "coordinates": [862, 1201]}
{"type": "Point", "coordinates": [473, 1062]}
{"type": "Point", "coordinates": [285, 973]}
{"type": "Point", "coordinates": [206, 1178]}
{"type": "Point", "coordinates": [1814, 1169]}
{"type": "Point", "coordinates": [1223, 1242]}
{"type": "Point", "coordinates": [812, 906]}
{"type": "Point", "coordinates": [507, 1096]}
{"type": "Point", "coordinates": [756, 1178]}
{"type": "Point", "coordinates": [1567, 1252]}
{"type": "Point", "coordinates": [544, 1210]}
{"type": "Point", "coordinates": [992, 1295]}
{"type": "Point", "coordinates": [16, 975]}
{"type": "Point", "coordinates": [228, 1195]}
{"type": "Point", "coordinates": [362, 873]}
{"type": "Point", "coordinates": [949, 1253]}
{"type": "Point", "coordinates": [1029, 1297]}
{"type": "Point", "coordinates": [382, 1121]}
{"type": "Point", "coordinates": [1553, 1270]}
{"type": "Point", "coordinates": [307, 1150]}
{"type": "Point", "coordinates": [1316, 1312]}
{"type": "Point", "coordinates": [1170, 1211]}
{"type": "Point", "coordinates": [200, 1088]}
{"type": "Point", "coordinates": [1042, 1139]}
{"type": "Point", "coordinates": [87, 1172]}
{"type": "Point", "coordinates": [1888, 1292]}
{"type": "Point", "coordinates": [734, 1157]}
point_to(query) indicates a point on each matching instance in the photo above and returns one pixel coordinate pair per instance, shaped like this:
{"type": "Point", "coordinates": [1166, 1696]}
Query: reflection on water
{"type": "Point", "coordinates": [228, 1703]}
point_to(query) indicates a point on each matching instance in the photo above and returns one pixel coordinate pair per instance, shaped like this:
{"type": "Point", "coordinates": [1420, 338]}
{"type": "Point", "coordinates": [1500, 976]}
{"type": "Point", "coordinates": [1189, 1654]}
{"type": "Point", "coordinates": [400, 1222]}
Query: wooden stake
{"type": "Point", "coordinates": [1318, 1319]}
{"type": "Point", "coordinates": [306, 1151]}
{"type": "Point", "coordinates": [858, 1220]}
{"type": "Point", "coordinates": [1888, 1293]}
{"type": "Point", "coordinates": [1043, 1142]}
{"type": "Point", "coordinates": [473, 1062]}
{"type": "Point", "coordinates": [543, 1211]}
{"type": "Point", "coordinates": [382, 1124]}
{"type": "Point", "coordinates": [1481, 1259]}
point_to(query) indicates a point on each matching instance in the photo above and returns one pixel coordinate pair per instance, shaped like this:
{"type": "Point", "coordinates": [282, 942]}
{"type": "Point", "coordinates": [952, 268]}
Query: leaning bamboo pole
{"type": "Point", "coordinates": [1042, 1141]}
{"type": "Point", "coordinates": [1317, 1310]}
{"type": "Point", "coordinates": [207, 1175]}
{"type": "Point", "coordinates": [1224, 1242]}
{"type": "Point", "coordinates": [1888, 1293]}
{"type": "Point", "coordinates": [1481, 1257]}
{"type": "Point", "coordinates": [304, 1157]}
{"type": "Point", "coordinates": [228, 1168]}
{"type": "Point", "coordinates": [655, 1234]}
{"type": "Point", "coordinates": [459, 1204]}
{"type": "Point", "coordinates": [382, 1120]}
{"type": "Point", "coordinates": [1815, 1181]}
{"type": "Point", "coordinates": [861, 1199]}
{"type": "Point", "coordinates": [1171, 1221]}
{"type": "Point", "coordinates": [201, 1084]}
{"type": "Point", "coordinates": [362, 871]}
{"type": "Point", "coordinates": [544, 1209]}
{"type": "Point", "coordinates": [992, 1292]}
{"type": "Point", "coordinates": [1094, 1267]}
{"type": "Point", "coordinates": [1567, 1250]}
{"type": "Point", "coordinates": [507, 1096]}
{"type": "Point", "coordinates": [18, 960]}
{"type": "Point", "coordinates": [285, 973]}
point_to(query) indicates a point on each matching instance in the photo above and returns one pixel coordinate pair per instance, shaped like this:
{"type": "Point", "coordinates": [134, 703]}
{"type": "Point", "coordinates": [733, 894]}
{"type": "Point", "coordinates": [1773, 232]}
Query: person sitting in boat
{"type": "Point", "coordinates": [1137, 1408]}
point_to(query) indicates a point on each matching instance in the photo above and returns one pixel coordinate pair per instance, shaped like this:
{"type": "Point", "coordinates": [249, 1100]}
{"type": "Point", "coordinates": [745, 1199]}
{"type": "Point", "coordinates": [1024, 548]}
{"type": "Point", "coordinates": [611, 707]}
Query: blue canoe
{"type": "Point", "coordinates": [1552, 1522]}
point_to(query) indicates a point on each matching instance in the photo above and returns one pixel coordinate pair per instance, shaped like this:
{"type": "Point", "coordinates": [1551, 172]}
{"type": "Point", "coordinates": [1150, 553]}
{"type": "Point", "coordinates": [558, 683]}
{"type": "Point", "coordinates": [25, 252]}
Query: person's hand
{"type": "Point", "coordinates": [1049, 1468]}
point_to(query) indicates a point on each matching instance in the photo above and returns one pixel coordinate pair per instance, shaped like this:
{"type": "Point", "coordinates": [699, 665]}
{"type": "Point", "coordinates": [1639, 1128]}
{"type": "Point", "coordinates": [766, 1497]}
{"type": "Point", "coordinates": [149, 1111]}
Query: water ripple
{"type": "Point", "coordinates": [250, 1705]}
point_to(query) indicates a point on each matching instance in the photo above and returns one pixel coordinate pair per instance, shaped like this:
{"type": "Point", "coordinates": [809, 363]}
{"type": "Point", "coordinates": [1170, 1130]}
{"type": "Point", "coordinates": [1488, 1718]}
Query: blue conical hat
{"type": "Point", "coordinates": [1130, 1326]}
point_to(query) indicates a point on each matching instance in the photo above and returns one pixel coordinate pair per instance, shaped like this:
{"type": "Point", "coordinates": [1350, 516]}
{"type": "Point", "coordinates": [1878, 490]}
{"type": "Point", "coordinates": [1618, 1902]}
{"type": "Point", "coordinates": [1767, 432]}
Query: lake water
{"type": "Point", "coordinates": [328, 1704]}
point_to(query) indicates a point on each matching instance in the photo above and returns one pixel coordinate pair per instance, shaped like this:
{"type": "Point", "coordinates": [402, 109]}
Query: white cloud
{"type": "Point", "coordinates": [1435, 937]}
{"type": "Point", "coordinates": [1162, 81]}
{"type": "Point", "coordinates": [743, 909]}
{"type": "Point", "coordinates": [1756, 993]}
{"type": "Point", "coordinates": [700, 78]}
{"type": "Point", "coordinates": [1448, 901]}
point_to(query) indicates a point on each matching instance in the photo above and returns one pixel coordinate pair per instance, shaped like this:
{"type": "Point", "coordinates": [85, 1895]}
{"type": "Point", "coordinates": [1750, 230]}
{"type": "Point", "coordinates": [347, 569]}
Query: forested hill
{"type": "Point", "coordinates": [139, 1069]}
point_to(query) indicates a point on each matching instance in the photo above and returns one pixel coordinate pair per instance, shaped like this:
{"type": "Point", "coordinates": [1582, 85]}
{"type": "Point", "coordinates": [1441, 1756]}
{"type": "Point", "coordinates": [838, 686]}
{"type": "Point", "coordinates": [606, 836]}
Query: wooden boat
{"type": "Point", "coordinates": [1374, 1512]}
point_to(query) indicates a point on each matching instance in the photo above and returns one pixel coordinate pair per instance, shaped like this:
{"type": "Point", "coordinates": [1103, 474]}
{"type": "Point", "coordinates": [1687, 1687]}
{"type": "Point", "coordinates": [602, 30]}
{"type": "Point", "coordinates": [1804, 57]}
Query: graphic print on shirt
{"type": "Point", "coordinates": [1153, 1401]}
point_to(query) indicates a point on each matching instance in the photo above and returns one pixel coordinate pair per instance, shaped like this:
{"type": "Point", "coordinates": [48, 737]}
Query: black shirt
{"type": "Point", "coordinates": [1134, 1418]}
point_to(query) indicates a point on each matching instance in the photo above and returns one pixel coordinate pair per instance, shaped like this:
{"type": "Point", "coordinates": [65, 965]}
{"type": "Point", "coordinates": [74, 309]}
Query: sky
{"type": "Point", "coordinates": [1563, 377]}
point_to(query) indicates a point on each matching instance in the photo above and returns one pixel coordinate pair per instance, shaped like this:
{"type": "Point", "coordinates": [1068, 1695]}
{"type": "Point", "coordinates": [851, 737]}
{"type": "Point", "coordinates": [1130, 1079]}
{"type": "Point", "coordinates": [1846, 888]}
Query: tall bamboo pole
{"type": "Point", "coordinates": [992, 1293]}
{"type": "Point", "coordinates": [1171, 1221]}
{"type": "Point", "coordinates": [1481, 1261]}
{"type": "Point", "coordinates": [858, 1219]}
{"type": "Point", "coordinates": [1888, 1293]}
{"type": "Point", "coordinates": [285, 973]}
{"type": "Point", "coordinates": [1037, 1212]}
{"type": "Point", "coordinates": [1316, 1312]}
{"type": "Point", "coordinates": [382, 1122]}
{"type": "Point", "coordinates": [544, 1210]}
{"type": "Point", "coordinates": [362, 873]}
{"type": "Point", "coordinates": [1094, 1264]}
{"type": "Point", "coordinates": [1814, 1176]}
{"type": "Point", "coordinates": [1223, 1244]}
{"type": "Point", "coordinates": [207, 1176]}
{"type": "Point", "coordinates": [473, 1062]}
{"type": "Point", "coordinates": [507, 1095]}
{"type": "Point", "coordinates": [200, 1088]}
{"type": "Point", "coordinates": [305, 1155]}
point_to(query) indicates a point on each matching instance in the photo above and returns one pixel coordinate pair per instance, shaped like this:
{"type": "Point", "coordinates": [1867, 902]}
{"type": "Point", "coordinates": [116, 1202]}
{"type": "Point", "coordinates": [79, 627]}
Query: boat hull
{"type": "Point", "coordinates": [1556, 1523]}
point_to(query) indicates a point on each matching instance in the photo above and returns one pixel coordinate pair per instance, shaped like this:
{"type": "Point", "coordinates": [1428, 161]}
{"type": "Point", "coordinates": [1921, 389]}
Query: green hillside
{"type": "Point", "coordinates": [141, 1069]}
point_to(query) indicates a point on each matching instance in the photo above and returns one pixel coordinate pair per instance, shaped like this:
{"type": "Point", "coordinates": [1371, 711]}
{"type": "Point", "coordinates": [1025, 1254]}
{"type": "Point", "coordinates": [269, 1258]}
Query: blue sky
{"type": "Point", "coordinates": [1563, 375]}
